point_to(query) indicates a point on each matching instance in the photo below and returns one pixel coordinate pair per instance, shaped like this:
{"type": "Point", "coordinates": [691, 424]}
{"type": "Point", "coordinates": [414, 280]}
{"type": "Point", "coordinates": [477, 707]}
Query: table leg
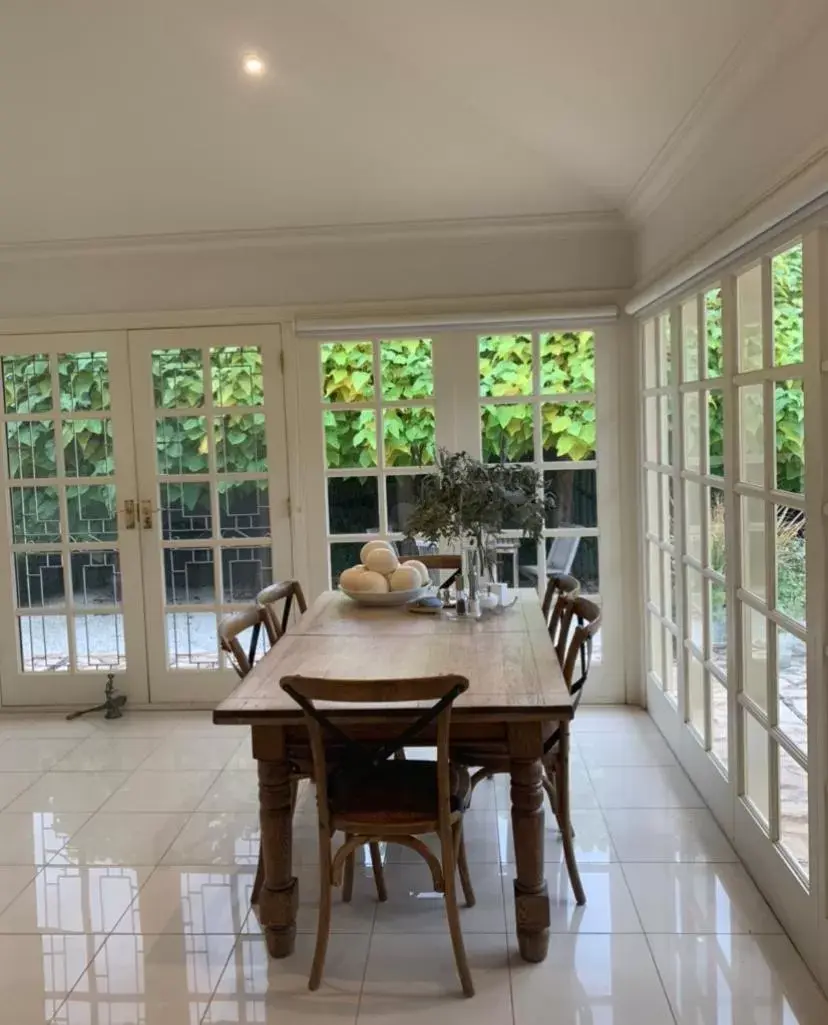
{"type": "Point", "coordinates": [531, 896]}
{"type": "Point", "coordinates": [564, 817]}
{"type": "Point", "coordinates": [279, 893]}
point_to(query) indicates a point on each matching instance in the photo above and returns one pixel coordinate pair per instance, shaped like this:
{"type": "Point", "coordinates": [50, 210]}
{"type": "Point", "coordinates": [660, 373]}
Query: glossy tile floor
{"type": "Point", "coordinates": [127, 855]}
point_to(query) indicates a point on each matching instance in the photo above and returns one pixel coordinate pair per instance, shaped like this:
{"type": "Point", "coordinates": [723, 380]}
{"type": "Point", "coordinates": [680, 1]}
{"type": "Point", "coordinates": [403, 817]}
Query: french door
{"type": "Point", "coordinates": [146, 496]}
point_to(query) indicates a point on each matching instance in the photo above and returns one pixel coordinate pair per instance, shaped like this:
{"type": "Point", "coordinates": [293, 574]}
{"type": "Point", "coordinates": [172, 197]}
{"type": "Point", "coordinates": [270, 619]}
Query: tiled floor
{"type": "Point", "coordinates": [127, 855]}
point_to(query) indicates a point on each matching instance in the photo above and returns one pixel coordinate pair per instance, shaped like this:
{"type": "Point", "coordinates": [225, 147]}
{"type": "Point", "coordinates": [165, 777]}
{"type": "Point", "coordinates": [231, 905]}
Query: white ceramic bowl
{"type": "Point", "coordinates": [385, 598]}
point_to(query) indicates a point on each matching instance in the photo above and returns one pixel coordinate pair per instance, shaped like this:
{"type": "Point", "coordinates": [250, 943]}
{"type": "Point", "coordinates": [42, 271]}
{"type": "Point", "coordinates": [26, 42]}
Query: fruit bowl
{"type": "Point", "coordinates": [385, 598]}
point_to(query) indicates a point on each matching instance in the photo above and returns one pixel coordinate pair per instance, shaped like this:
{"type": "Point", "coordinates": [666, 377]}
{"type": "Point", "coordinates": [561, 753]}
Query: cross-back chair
{"type": "Point", "coordinates": [371, 797]}
{"type": "Point", "coordinates": [287, 591]}
{"type": "Point", "coordinates": [435, 562]}
{"type": "Point", "coordinates": [557, 583]}
{"type": "Point", "coordinates": [233, 626]}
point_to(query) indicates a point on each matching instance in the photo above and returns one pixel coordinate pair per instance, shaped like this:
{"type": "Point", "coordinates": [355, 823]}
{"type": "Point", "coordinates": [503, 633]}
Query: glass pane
{"type": "Point", "coordinates": [189, 576]}
{"type": "Point", "coordinates": [568, 431]}
{"type": "Point", "coordinates": [27, 383]}
{"type": "Point", "coordinates": [718, 720]}
{"type": "Point", "coordinates": [99, 643]}
{"type": "Point", "coordinates": [716, 545]}
{"type": "Point", "coordinates": [651, 429]}
{"type": "Point", "coordinates": [654, 575]}
{"type": "Point", "coordinates": [713, 331]}
{"type": "Point", "coordinates": [692, 432]}
{"type": "Point", "coordinates": [788, 338]}
{"type": "Point", "coordinates": [245, 571]}
{"type": "Point", "coordinates": [793, 809]}
{"type": "Point", "coordinates": [507, 433]}
{"type": "Point", "coordinates": [668, 526]}
{"type": "Point", "coordinates": [665, 350]}
{"type": "Point", "coordinates": [790, 562]}
{"type": "Point", "coordinates": [44, 644]}
{"type": "Point", "coordinates": [752, 434]}
{"type": "Point", "coordinates": [92, 513]}
{"type": "Point", "coordinates": [757, 785]}
{"type": "Point", "coordinates": [755, 656]}
{"type": "Point", "coordinates": [347, 371]}
{"type": "Point", "coordinates": [715, 433]}
{"type": "Point", "coordinates": [87, 448]}
{"type": "Point", "coordinates": [718, 625]}
{"type": "Point", "coordinates": [244, 509]}
{"type": "Point", "coordinates": [178, 378]}
{"type": "Point", "coordinates": [525, 574]}
{"type": "Point", "coordinates": [236, 373]}
{"type": "Point", "coordinates": [791, 657]}
{"type": "Point", "coordinates": [401, 495]}
{"type": "Point", "coordinates": [694, 607]}
{"type": "Point", "coordinates": [181, 445]}
{"type": "Point", "coordinates": [790, 436]}
{"type": "Point", "coordinates": [186, 512]}
{"type": "Point", "coordinates": [672, 654]}
{"type": "Point", "coordinates": [83, 381]}
{"type": "Point", "coordinates": [406, 369]}
{"type": "Point", "coordinates": [585, 565]}
{"type": "Point", "coordinates": [350, 438]}
{"type": "Point", "coordinates": [695, 695]}
{"type": "Point", "coordinates": [749, 307]}
{"type": "Point", "coordinates": [192, 640]}
{"type": "Point", "coordinates": [30, 448]}
{"type": "Point", "coordinates": [39, 579]}
{"type": "Point", "coordinates": [567, 362]}
{"type": "Point", "coordinates": [505, 363]}
{"type": "Point", "coordinates": [576, 499]}
{"type": "Point", "coordinates": [693, 519]}
{"type": "Point", "coordinates": [353, 505]}
{"type": "Point", "coordinates": [344, 554]}
{"type": "Point", "coordinates": [656, 665]}
{"type": "Point", "coordinates": [241, 446]}
{"type": "Point", "coordinates": [652, 485]}
{"type": "Point", "coordinates": [690, 339]}
{"type": "Point", "coordinates": [35, 514]}
{"type": "Point", "coordinates": [753, 546]}
{"type": "Point", "coordinates": [666, 447]}
{"type": "Point", "coordinates": [669, 568]}
{"type": "Point", "coordinates": [650, 378]}
{"type": "Point", "coordinates": [409, 436]}
{"type": "Point", "coordinates": [96, 578]}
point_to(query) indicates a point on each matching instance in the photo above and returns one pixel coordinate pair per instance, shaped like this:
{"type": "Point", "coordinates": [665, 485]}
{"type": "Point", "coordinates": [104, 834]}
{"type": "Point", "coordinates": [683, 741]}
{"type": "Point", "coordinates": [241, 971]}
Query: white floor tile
{"type": "Point", "coordinates": [612, 719]}
{"type": "Point", "coordinates": [610, 980]}
{"type": "Point", "coordinates": [257, 988]}
{"type": "Point", "coordinates": [648, 787]}
{"type": "Point", "coordinates": [69, 791]}
{"type": "Point", "coordinates": [34, 754]}
{"type": "Point", "coordinates": [664, 834]}
{"type": "Point", "coordinates": [37, 972]}
{"type": "Point", "coordinates": [702, 898]}
{"type": "Point", "coordinates": [217, 838]}
{"type": "Point", "coordinates": [106, 754]}
{"type": "Point", "coordinates": [12, 784]}
{"type": "Point", "coordinates": [161, 791]}
{"type": "Point", "coordinates": [232, 791]}
{"type": "Point", "coordinates": [192, 752]}
{"type": "Point", "coordinates": [13, 881]}
{"type": "Point", "coordinates": [243, 757]}
{"type": "Point", "coordinates": [192, 900]}
{"type": "Point", "coordinates": [737, 980]}
{"type": "Point", "coordinates": [112, 838]}
{"type": "Point", "coordinates": [480, 831]}
{"type": "Point", "coordinates": [35, 838]}
{"type": "Point", "coordinates": [44, 724]}
{"type": "Point", "coordinates": [626, 749]}
{"type": "Point", "coordinates": [592, 839]}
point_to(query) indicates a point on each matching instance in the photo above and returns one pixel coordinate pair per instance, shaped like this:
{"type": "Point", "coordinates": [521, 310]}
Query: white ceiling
{"type": "Point", "coordinates": [123, 118]}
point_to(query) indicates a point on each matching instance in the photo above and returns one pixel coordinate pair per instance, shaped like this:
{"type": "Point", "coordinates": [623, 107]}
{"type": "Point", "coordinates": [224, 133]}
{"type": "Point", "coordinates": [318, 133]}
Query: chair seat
{"type": "Point", "coordinates": [395, 792]}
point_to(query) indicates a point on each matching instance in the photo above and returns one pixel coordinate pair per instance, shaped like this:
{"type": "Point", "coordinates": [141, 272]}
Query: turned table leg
{"type": "Point", "coordinates": [279, 893]}
{"type": "Point", "coordinates": [531, 896]}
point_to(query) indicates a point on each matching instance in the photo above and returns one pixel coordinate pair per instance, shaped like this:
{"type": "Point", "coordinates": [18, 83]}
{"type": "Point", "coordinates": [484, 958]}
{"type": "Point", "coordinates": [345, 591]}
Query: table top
{"type": "Point", "coordinates": [507, 656]}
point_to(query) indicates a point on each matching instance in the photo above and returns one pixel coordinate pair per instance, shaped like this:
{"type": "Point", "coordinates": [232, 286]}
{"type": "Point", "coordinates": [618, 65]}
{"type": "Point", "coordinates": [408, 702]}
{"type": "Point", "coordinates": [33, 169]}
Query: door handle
{"type": "Point", "coordinates": [146, 514]}
{"type": "Point", "coordinates": [130, 518]}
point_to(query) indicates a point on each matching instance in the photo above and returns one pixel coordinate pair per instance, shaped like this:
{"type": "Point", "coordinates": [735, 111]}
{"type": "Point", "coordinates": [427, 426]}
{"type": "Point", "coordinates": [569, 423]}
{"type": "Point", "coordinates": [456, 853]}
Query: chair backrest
{"type": "Point", "coordinates": [452, 562]}
{"type": "Point", "coordinates": [357, 759]}
{"type": "Point", "coordinates": [562, 554]}
{"type": "Point", "coordinates": [586, 617]}
{"type": "Point", "coordinates": [229, 630]}
{"type": "Point", "coordinates": [557, 583]}
{"type": "Point", "coordinates": [282, 590]}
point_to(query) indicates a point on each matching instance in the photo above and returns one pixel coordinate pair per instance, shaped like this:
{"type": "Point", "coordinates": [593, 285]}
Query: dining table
{"type": "Point", "coordinates": [516, 697]}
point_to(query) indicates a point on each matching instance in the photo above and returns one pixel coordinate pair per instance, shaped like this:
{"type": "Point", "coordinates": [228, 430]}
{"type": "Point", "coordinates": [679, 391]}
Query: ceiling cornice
{"type": "Point", "coordinates": [438, 230]}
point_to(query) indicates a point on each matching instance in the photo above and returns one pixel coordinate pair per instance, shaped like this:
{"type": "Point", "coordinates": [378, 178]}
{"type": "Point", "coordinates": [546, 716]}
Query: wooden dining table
{"type": "Point", "coordinates": [516, 696]}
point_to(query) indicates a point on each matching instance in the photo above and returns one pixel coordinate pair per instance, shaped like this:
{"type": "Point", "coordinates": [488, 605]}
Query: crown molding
{"type": "Point", "coordinates": [324, 235]}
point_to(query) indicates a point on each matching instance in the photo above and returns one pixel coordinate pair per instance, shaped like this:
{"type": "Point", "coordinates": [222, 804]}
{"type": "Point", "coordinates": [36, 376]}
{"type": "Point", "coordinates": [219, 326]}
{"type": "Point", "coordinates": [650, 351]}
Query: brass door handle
{"type": "Point", "coordinates": [146, 514]}
{"type": "Point", "coordinates": [130, 518]}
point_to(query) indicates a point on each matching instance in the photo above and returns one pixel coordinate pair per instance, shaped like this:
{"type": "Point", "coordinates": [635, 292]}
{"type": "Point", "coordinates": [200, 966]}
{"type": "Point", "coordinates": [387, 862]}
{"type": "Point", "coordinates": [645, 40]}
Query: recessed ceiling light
{"type": "Point", "coordinates": [253, 65]}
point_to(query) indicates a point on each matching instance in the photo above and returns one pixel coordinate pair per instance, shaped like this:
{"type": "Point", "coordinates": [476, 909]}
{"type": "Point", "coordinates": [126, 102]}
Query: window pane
{"type": "Point", "coordinates": [751, 434]}
{"type": "Point", "coordinates": [347, 371]}
{"type": "Point", "coordinates": [716, 550]}
{"type": "Point", "coordinates": [790, 562]}
{"type": "Point", "coordinates": [96, 578]}
{"type": "Point", "coordinates": [755, 656]}
{"type": "Point", "coordinates": [406, 369]}
{"type": "Point", "coordinates": [83, 381]}
{"type": "Point", "coordinates": [757, 785]}
{"type": "Point", "coordinates": [718, 720]}
{"type": "Point", "coordinates": [692, 432]}
{"type": "Point", "coordinates": [749, 306]}
{"type": "Point", "coordinates": [353, 505]}
{"type": "Point", "coordinates": [790, 436]}
{"type": "Point", "coordinates": [651, 429]}
{"type": "Point", "coordinates": [244, 508]}
{"type": "Point", "coordinates": [402, 494]}
{"type": "Point", "coordinates": [350, 438]}
{"type": "Point", "coordinates": [792, 674]}
{"type": "Point", "coordinates": [753, 546]}
{"type": "Point", "coordinates": [39, 579]}
{"type": "Point", "coordinates": [30, 448]}
{"type": "Point", "coordinates": [237, 376]}
{"type": "Point", "coordinates": [181, 445]}
{"type": "Point", "coordinates": [650, 378]}
{"type": "Point", "coordinates": [344, 554]}
{"type": "Point", "coordinates": [505, 363]}
{"type": "Point", "coordinates": [652, 485]}
{"type": "Point", "coordinates": [44, 644]}
{"type": "Point", "coordinates": [35, 515]}
{"type": "Point", "coordinates": [690, 339]}
{"type": "Point", "coordinates": [186, 512]}
{"type": "Point", "coordinates": [241, 444]}
{"type": "Point", "coordinates": [695, 612]}
{"type": "Point", "coordinates": [668, 524]}
{"type": "Point", "coordinates": [92, 513]}
{"type": "Point", "coordinates": [244, 572]}
{"type": "Point", "coordinates": [525, 574]}
{"type": "Point", "coordinates": [715, 433]}
{"type": "Point", "coordinates": [693, 519]}
{"type": "Point", "coordinates": [507, 433]}
{"type": "Point", "coordinates": [87, 448]}
{"type": "Point", "coordinates": [178, 378]}
{"type": "Point", "coordinates": [717, 596]}
{"type": "Point", "coordinates": [192, 640]}
{"type": "Point", "coordinates": [671, 649]}
{"type": "Point", "coordinates": [666, 432]}
{"type": "Point", "coordinates": [576, 503]}
{"type": "Point", "coordinates": [567, 362]}
{"type": "Point", "coordinates": [669, 585]}
{"type": "Point", "coordinates": [793, 809]}
{"type": "Point", "coordinates": [409, 436]}
{"type": "Point", "coordinates": [695, 695]}
{"type": "Point", "coordinates": [713, 331]}
{"type": "Point", "coordinates": [27, 383]}
{"type": "Point", "coordinates": [656, 663]}
{"type": "Point", "coordinates": [654, 575]}
{"type": "Point", "coordinates": [585, 566]}
{"type": "Point", "coordinates": [568, 431]}
{"type": "Point", "coordinates": [787, 307]}
{"type": "Point", "coordinates": [189, 577]}
{"type": "Point", "coordinates": [99, 644]}
{"type": "Point", "coordinates": [665, 350]}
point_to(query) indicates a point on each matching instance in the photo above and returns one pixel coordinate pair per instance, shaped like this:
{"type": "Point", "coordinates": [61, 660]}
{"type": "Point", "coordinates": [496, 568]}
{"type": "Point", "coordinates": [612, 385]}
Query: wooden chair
{"type": "Point", "coordinates": [282, 590]}
{"type": "Point", "coordinates": [556, 585]}
{"type": "Point", "coordinates": [363, 792]}
{"type": "Point", "coordinates": [232, 626]}
{"type": "Point", "coordinates": [452, 562]}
